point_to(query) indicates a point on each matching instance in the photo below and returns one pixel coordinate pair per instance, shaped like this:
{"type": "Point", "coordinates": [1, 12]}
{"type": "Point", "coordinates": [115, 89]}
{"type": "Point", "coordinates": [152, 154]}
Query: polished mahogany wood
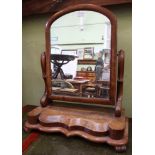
{"type": "Point", "coordinates": [113, 63]}
{"type": "Point", "coordinates": [102, 125]}
{"type": "Point", "coordinates": [97, 125]}
{"type": "Point", "coordinates": [39, 6]}
{"type": "Point", "coordinates": [118, 107]}
{"type": "Point", "coordinates": [44, 99]}
{"type": "Point", "coordinates": [32, 115]}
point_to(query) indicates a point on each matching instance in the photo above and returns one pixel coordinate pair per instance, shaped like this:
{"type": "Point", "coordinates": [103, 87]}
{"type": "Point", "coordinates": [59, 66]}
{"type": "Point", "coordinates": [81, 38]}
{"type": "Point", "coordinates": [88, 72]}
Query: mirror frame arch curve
{"type": "Point", "coordinates": [113, 60]}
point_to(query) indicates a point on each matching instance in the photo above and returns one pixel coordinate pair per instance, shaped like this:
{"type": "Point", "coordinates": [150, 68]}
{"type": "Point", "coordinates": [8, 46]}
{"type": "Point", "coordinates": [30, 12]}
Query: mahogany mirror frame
{"type": "Point", "coordinates": [113, 60]}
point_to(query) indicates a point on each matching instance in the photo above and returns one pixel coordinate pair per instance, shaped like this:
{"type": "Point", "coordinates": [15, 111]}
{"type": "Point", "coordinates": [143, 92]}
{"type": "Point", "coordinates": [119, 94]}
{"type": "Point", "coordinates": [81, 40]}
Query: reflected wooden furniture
{"type": "Point", "coordinates": [97, 124]}
{"type": "Point", "coordinates": [87, 74]}
{"type": "Point", "coordinates": [64, 87]}
{"type": "Point", "coordinates": [65, 91]}
{"type": "Point", "coordinates": [86, 62]}
{"type": "Point", "coordinates": [78, 84]}
{"type": "Point", "coordinates": [103, 88]}
{"type": "Point", "coordinates": [62, 84]}
{"type": "Point", "coordinates": [90, 75]}
{"type": "Point", "coordinates": [59, 60]}
{"type": "Point", "coordinates": [90, 89]}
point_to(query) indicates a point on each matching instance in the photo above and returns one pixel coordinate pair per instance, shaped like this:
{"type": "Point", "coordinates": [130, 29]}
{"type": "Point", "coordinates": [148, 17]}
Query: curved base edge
{"type": "Point", "coordinates": [119, 145]}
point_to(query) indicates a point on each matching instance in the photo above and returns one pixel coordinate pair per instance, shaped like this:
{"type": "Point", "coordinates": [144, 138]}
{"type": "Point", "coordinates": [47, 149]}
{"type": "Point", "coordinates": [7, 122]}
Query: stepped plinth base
{"type": "Point", "coordinates": [99, 126]}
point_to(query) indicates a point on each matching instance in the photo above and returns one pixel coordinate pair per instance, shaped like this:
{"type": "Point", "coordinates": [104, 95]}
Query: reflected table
{"type": "Point", "coordinates": [59, 60]}
{"type": "Point", "coordinates": [65, 91]}
{"type": "Point", "coordinates": [78, 84]}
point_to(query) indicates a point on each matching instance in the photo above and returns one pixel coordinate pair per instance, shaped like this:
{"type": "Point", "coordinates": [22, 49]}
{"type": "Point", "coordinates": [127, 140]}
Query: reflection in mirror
{"type": "Point", "coordinates": [80, 55]}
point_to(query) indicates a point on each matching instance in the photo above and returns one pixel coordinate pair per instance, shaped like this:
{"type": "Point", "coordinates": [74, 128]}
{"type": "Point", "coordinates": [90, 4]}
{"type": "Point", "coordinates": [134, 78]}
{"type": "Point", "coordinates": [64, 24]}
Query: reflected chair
{"type": "Point", "coordinates": [103, 88]}
{"type": "Point", "coordinates": [90, 90]}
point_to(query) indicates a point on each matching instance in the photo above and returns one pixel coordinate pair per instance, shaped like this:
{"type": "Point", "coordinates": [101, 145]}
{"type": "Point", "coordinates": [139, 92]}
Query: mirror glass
{"type": "Point", "coordinates": [80, 55]}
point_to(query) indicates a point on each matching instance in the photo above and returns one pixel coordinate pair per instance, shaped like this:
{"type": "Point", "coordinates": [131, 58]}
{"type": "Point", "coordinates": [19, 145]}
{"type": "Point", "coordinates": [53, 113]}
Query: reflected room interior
{"type": "Point", "coordinates": [80, 62]}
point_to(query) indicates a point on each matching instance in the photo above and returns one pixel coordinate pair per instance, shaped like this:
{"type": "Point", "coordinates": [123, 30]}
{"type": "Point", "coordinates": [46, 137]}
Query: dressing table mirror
{"type": "Point", "coordinates": [81, 65]}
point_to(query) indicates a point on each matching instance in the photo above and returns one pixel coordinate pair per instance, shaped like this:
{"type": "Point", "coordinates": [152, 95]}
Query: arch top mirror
{"type": "Point", "coordinates": [81, 55]}
{"type": "Point", "coordinates": [80, 65]}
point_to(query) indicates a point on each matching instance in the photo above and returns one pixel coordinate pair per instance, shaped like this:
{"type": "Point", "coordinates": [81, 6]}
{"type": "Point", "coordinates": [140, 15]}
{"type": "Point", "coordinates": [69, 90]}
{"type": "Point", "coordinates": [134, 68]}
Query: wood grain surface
{"type": "Point", "coordinates": [99, 126]}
